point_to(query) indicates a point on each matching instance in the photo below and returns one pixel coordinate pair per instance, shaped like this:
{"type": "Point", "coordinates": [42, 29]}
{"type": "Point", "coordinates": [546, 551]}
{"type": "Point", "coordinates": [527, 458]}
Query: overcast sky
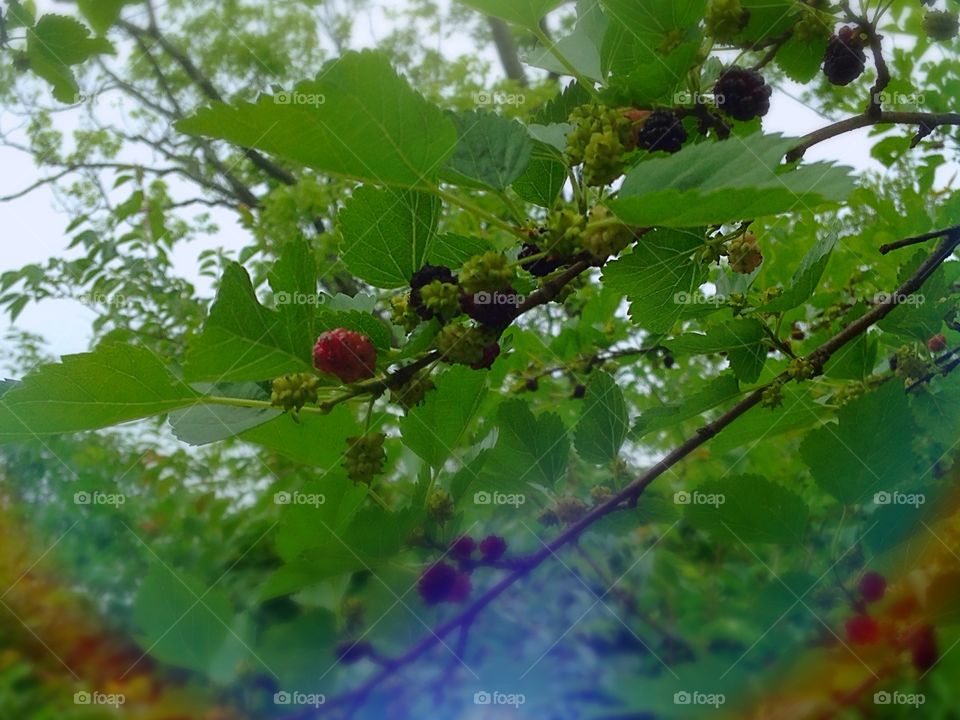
{"type": "Point", "coordinates": [32, 229]}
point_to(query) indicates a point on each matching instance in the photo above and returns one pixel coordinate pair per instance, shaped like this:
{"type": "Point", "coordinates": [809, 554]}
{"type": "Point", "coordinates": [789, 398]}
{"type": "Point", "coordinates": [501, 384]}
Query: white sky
{"type": "Point", "coordinates": [32, 230]}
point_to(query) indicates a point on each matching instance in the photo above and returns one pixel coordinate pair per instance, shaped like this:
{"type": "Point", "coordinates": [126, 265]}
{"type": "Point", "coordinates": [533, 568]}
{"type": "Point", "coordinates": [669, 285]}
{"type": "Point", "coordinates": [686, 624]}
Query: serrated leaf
{"type": "Point", "coordinates": [433, 430]}
{"type": "Point", "coordinates": [357, 119]}
{"type": "Point", "coordinates": [526, 13]}
{"type": "Point", "coordinates": [544, 178]}
{"type": "Point", "coordinates": [753, 510]}
{"type": "Point", "coordinates": [799, 411]}
{"type": "Point", "coordinates": [529, 449]}
{"type": "Point", "coordinates": [603, 424]}
{"type": "Point", "coordinates": [57, 42]}
{"type": "Point", "coordinates": [742, 340]}
{"type": "Point", "coordinates": [711, 183]}
{"type": "Point", "coordinates": [581, 48]}
{"type": "Point", "coordinates": [492, 151]}
{"type": "Point", "coordinates": [101, 14]}
{"type": "Point", "coordinates": [800, 58]}
{"type": "Point", "coordinates": [806, 278]}
{"type": "Point", "coordinates": [205, 423]}
{"type": "Point", "coordinates": [717, 391]}
{"type": "Point", "coordinates": [387, 234]}
{"type": "Point", "coordinates": [656, 276]}
{"type": "Point", "coordinates": [868, 450]}
{"type": "Point", "coordinates": [113, 384]}
{"type": "Point", "coordinates": [316, 440]}
{"type": "Point", "coordinates": [453, 250]}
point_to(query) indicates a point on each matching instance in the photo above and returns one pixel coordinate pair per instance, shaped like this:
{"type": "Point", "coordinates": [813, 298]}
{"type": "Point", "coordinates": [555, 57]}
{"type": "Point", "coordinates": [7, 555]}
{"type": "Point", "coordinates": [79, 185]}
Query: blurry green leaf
{"type": "Point", "coordinates": [717, 391]}
{"type": "Point", "coordinates": [742, 340]}
{"type": "Point", "coordinates": [806, 278]}
{"type": "Point", "coordinates": [55, 43]}
{"type": "Point", "coordinates": [529, 449]}
{"type": "Point", "coordinates": [603, 423]}
{"type": "Point", "coordinates": [492, 151]}
{"type": "Point", "coordinates": [527, 13]}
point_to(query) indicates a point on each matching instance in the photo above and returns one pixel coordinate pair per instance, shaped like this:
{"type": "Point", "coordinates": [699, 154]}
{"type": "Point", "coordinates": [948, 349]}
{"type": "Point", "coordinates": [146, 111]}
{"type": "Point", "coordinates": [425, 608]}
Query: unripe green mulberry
{"type": "Point", "coordinates": [440, 507]}
{"type": "Point", "coordinates": [801, 369]}
{"type": "Point", "coordinates": [402, 314]}
{"type": "Point", "coordinates": [602, 242]}
{"type": "Point", "coordinates": [569, 509]}
{"type": "Point", "coordinates": [725, 19]}
{"type": "Point", "coordinates": [772, 396]}
{"type": "Point", "coordinates": [566, 232]}
{"type": "Point", "coordinates": [600, 494]}
{"type": "Point", "coordinates": [744, 255]}
{"type": "Point", "coordinates": [941, 25]}
{"type": "Point", "coordinates": [599, 140]}
{"type": "Point", "coordinates": [365, 457]}
{"type": "Point", "coordinates": [910, 365]}
{"type": "Point", "coordinates": [441, 298]}
{"type": "Point", "coordinates": [603, 159]}
{"type": "Point", "coordinates": [488, 272]}
{"type": "Point", "coordinates": [412, 393]}
{"type": "Point", "coordinates": [463, 344]}
{"type": "Point", "coordinates": [292, 392]}
{"type": "Point", "coordinates": [813, 26]}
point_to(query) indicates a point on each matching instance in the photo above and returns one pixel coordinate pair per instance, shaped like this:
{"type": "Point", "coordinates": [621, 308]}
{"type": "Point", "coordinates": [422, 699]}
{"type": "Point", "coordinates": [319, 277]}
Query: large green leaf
{"type": "Point", "coordinates": [749, 508]}
{"type": "Point", "coordinates": [726, 181]}
{"type": "Point", "coordinates": [492, 151]}
{"type": "Point", "coordinates": [544, 177]}
{"type": "Point", "coordinates": [658, 277]}
{"type": "Point", "coordinates": [868, 451]}
{"type": "Point", "coordinates": [358, 119]}
{"type": "Point", "coordinates": [529, 449]}
{"type": "Point", "coordinates": [581, 48]}
{"type": "Point", "coordinates": [102, 14]}
{"type": "Point", "coordinates": [205, 423]}
{"type": "Point", "coordinates": [433, 430]}
{"type": "Point", "coordinates": [603, 423]}
{"type": "Point", "coordinates": [181, 621]}
{"type": "Point", "coordinates": [454, 250]}
{"type": "Point", "coordinates": [527, 13]}
{"type": "Point", "coordinates": [113, 384]}
{"type": "Point", "coordinates": [716, 391]}
{"type": "Point", "coordinates": [54, 44]}
{"type": "Point", "coordinates": [741, 340]}
{"type": "Point", "coordinates": [806, 278]}
{"type": "Point", "coordinates": [387, 233]}
{"type": "Point", "coordinates": [315, 440]}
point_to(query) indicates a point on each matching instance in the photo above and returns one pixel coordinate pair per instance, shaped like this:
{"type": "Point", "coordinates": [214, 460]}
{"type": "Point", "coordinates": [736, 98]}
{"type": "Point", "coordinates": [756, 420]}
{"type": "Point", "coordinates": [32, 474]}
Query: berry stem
{"type": "Point", "coordinates": [475, 209]}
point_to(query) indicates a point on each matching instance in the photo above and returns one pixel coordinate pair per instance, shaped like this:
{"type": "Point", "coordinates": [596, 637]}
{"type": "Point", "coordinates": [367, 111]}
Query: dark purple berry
{"type": "Point", "coordinates": [742, 93]}
{"type": "Point", "coordinates": [537, 268]}
{"type": "Point", "coordinates": [662, 130]}
{"type": "Point", "coordinates": [350, 652]}
{"type": "Point", "coordinates": [463, 547]}
{"type": "Point", "coordinates": [490, 353]}
{"type": "Point", "coordinates": [423, 277]}
{"type": "Point", "coordinates": [442, 582]}
{"type": "Point", "coordinates": [532, 385]}
{"type": "Point", "coordinates": [579, 391]}
{"type": "Point", "coordinates": [844, 60]}
{"type": "Point", "coordinates": [924, 654]}
{"type": "Point", "coordinates": [493, 309]}
{"type": "Point", "coordinates": [493, 547]}
{"type": "Point", "coordinates": [872, 586]}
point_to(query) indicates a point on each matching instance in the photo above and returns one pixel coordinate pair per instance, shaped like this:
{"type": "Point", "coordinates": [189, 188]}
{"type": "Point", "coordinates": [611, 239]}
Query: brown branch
{"type": "Point", "coordinates": [856, 122]}
{"type": "Point", "coordinates": [917, 239]}
{"type": "Point", "coordinates": [628, 496]}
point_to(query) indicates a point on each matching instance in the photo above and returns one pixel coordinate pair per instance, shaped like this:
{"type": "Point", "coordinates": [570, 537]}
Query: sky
{"type": "Point", "coordinates": [33, 229]}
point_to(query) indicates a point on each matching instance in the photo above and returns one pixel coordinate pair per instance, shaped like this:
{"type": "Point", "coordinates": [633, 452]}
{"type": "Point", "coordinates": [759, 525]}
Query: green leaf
{"type": "Point", "coordinates": [387, 234]}
{"type": "Point", "coordinates": [55, 43]}
{"type": "Point", "coordinates": [316, 440]}
{"type": "Point", "coordinates": [800, 410]}
{"type": "Point", "coordinates": [603, 423]}
{"type": "Point", "coordinates": [242, 340]}
{"type": "Point", "coordinates": [868, 451]}
{"type": "Point", "coordinates": [434, 429]}
{"type": "Point", "coordinates": [657, 276]}
{"type": "Point", "coordinates": [544, 178]}
{"type": "Point", "coordinates": [581, 48]}
{"type": "Point", "coordinates": [205, 423]}
{"type": "Point", "coordinates": [283, 647]}
{"type": "Point", "coordinates": [102, 14]}
{"type": "Point", "coordinates": [358, 119]}
{"type": "Point", "coordinates": [526, 13]}
{"type": "Point", "coordinates": [181, 621]}
{"type": "Point", "coordinates": [800, 58]}
{"type": "Point", "coordinates": [742, 340]}
{"type": "Point", "coordinates": [806, 278]}
{"type": "Point", "coordinates": [492, 151]}
{"type": "Point", "coordinates": [529, 449]}
{"type": "Point", "coordinates": [453, 250]}
{"type": "Point", "coordinates": [19, 15]}
{"type": "Point", "coordinates": [717, 391]}
{"type": "Point", "coordinates": [749, 508]}
{"type": "Point", "coordinates": [113, 384]}
{"type": "Point", "coordinates": [727, 181]}
{"type": "Point", "coordinates": [293, 279]}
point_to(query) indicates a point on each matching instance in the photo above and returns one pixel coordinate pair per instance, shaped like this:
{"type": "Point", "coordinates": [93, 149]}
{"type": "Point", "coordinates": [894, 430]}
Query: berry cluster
{"type": "Point", "coordinates": [662, 130]}
{"type": "Point", "coordinates": [489, 272]}
{"type": "Point", "coordinates": [292, 392]}
{"type": "Point", "coordinates": [347, 354]}
{"type": "Point", "coordinates": [599, 141]}
{"type": "Point", "coordinates": [725, 19]}
{"type": "Point", "coordinates": [941, 25]}
{"type": "Point", "coordinates": [365, 457]}
{"type": "Point", "coordinates": [440, 507]}
{"type": "Point", "coordinates": [412, 392]}
{"type": "Point", "coordinates": [909, 365]}
{"type": "Point", "coordinates": [742, 93]}
{"type": "Point", "coordinates": [606, 240]}
{"type": "Point", "coordinates": [845, 60]}
{"type": "Point", "coordinates": [442, 582]}
{"type": "Point", "coordinates": [467, 345]}
{"type": "Point", "coordinates": [744, 254]}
